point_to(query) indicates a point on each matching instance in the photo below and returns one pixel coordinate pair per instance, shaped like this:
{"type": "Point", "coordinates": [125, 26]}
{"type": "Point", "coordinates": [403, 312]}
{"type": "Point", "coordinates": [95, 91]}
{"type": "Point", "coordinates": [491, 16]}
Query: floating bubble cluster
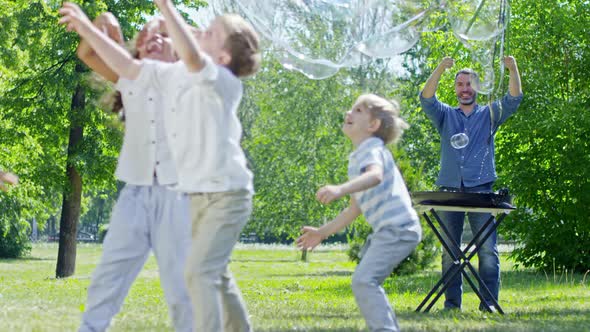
{"type": "Point", "coordinates": [319, 37]}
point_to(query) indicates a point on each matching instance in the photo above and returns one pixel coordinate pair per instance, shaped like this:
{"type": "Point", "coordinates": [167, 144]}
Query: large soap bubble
{"type": "Point", "coordinates": [475, 19]}
{"type": "Point", "coordinates": [319, 37]}
{"type": "Point", "coordinates": [480, 25]}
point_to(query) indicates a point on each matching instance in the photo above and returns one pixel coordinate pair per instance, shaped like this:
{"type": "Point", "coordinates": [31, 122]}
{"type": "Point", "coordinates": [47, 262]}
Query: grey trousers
{"type": "Point", "coordinates": [144, 218]}
{"type": "Point", "coordinates": [217, 220]}
{"type": "Point", "coordinates": [383, 251]}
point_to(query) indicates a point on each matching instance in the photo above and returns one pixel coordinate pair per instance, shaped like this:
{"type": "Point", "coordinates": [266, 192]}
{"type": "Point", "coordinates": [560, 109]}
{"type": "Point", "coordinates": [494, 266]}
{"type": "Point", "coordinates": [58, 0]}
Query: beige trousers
{"type": "Point", "coordinates": [217, 220]}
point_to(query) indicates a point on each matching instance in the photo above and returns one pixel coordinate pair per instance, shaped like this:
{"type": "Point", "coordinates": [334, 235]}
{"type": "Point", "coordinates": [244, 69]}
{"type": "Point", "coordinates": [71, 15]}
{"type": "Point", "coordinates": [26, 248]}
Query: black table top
{"type": "Point", "coordinates": [501, 201]}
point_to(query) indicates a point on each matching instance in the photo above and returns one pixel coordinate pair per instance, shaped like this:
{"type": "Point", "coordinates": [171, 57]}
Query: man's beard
{"type": "Point", "coordinates": [469, 101]}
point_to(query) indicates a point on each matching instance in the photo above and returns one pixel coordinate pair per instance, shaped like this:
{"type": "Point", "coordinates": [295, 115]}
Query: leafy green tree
{"type": "Point", "coordinates": [294, 146]}
{"type": "Point", "coordinates": [31, 140]}
{"type": "Point", "coordinates": [50, 105]}
{"type": "Point", "coordinates": [293, 138]}
{"type": "Point", "coordinates": [98, 211]}
{"type": "Point", "coordinates": [544, 152]}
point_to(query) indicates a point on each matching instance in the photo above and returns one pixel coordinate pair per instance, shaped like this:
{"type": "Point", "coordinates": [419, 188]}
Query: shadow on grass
{"type": "Point", "coordinates": [537, 320]}
{"type": "Point", "coordinates": [582, 313]}
{"type": "Point", "coordinates": [311, 329]}
{"type": "Point", "coordinates": [303, 317]}
{"type": "Point", "coordinates": [541, 320]}
{"type": "Point", "coordinates": [297, 316]}
{"type": "Point", "coordinates": [24, 259]}
{"type": "Point", "coordinates": [511, 280]}
{"type": "Point", "coordinates": [265, 260]}
{"type": "Point", "coordinates": [343, 273]}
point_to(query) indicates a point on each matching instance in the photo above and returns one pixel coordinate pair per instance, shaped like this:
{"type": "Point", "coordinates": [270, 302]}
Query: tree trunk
{"type": "Point", "coordinates": [304, 255]}
{"type": "Point", "coordinates": [51, 227]}
{"type": "Point", "coordinates": [99, 218]}
{"type": "Point", "coordinates": [72, 195]}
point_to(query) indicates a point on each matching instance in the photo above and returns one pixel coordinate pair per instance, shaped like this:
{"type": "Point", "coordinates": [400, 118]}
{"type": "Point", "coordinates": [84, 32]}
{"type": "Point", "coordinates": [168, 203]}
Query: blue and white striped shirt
{"type": "Point", "coordinates": [389, 202]}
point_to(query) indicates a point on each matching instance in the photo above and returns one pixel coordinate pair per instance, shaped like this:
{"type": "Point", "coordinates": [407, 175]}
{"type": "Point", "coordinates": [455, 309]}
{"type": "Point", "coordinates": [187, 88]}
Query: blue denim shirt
{"type": "Point", "coordinates": [473, 165]}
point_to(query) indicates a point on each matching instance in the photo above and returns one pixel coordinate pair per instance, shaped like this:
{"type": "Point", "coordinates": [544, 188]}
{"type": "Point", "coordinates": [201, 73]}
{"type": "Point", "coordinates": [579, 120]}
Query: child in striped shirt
{"type": "Point", "coordinates": [378, 192]}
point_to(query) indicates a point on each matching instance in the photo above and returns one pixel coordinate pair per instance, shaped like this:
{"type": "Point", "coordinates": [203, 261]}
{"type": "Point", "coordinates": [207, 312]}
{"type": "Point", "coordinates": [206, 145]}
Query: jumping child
{"type": "Point", "coordinates": [148, 215]}
{"type": "Point", "coordinates": [202, 94]}
{"type": "Point", "coordinates": [378, 192]}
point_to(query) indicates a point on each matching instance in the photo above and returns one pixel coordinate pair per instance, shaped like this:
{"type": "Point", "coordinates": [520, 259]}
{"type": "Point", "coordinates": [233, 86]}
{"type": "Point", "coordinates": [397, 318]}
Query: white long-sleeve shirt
{"type": "Point", "coordinates": [200, 116]}
{"type": "Point", "coordinates": [146, 148]}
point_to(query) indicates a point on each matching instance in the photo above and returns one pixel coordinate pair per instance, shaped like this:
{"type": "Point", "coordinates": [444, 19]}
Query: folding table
{"type": "Point", "coordinates": [498, 205]}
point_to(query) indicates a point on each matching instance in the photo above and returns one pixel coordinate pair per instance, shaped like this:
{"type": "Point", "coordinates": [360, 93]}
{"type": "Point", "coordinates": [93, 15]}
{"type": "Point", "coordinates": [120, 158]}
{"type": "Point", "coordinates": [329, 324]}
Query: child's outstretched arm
{"type": "Point", "coordinates": [113, 54]}
{"type": "Point", "coordinates": [370, 178]}
{"type": "Point", "coordinates": [313, 236]}
{"type": "Point", "coordinates": [183, 41]}
{"type": "Point", "coordinates": [108, 24]}
{"type": "Point", "coordinates": [7, 177]}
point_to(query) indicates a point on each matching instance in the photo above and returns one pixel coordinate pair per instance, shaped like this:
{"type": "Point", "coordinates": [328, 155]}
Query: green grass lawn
{"type": "Point", "coordinates": [285, 294]}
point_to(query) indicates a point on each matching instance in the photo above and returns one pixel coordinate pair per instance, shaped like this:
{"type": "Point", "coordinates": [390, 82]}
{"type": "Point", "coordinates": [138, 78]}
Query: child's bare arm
{"type": "Point", "coordinates": [183, 41]}
{"type": "Point", "coordinates": [313, 236]}
{"type": "Point", "coordinates": [108, 24]}
{"type": "Point", "coordinates": [113, 54]}
{"type": "Point", "coordinates": [7, 177]}
{"type": "Point", "coordinates": [370, 178]}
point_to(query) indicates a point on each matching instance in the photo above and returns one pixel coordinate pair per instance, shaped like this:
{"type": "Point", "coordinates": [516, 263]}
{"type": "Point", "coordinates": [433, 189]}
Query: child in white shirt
{"type": "Point", "coordinates": [148, 215]}
{"type": "Point", "coordinates": [203, 92]}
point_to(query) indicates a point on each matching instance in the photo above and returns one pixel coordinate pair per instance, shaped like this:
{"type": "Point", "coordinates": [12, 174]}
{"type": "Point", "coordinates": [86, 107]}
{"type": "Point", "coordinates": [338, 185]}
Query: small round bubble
{"type": "Point", "coordinates": [459, 141]}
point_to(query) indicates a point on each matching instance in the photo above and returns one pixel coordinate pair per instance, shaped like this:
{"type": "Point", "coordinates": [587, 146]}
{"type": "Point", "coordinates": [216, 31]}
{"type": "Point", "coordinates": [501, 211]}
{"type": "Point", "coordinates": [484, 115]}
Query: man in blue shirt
{"type": "Point", "coordinates": [467, 161]}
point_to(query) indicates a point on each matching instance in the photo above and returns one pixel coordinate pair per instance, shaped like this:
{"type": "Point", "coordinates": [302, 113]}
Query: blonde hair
{"type": "Point", "coordinates": [388, 112]}
{"type": "Point", "coordinates": [243, 45]}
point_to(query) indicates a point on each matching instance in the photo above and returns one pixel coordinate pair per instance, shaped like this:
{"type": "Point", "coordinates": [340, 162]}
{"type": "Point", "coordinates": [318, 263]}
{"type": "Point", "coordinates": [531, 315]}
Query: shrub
{"type": "Point", "coordinates": [14, 230]}
{"type": "Point", "coordinates": [14, 240]}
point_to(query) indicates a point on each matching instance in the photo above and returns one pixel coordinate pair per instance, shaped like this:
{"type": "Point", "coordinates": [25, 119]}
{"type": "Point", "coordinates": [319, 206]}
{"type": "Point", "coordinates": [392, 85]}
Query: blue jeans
{"type": "Point", "coordinates": [489, 260]}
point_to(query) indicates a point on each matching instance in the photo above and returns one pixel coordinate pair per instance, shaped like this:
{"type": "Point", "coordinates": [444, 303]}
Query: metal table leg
{"type": "Point", "coordinates": [461, 261]}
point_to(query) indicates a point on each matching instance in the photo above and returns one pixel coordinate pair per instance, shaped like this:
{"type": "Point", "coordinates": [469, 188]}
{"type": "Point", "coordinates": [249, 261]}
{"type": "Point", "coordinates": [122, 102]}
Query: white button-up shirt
{"type": "Point", "coordinates": [202, 125]}
{"type": "Point", "coordinates": [145, 149]}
